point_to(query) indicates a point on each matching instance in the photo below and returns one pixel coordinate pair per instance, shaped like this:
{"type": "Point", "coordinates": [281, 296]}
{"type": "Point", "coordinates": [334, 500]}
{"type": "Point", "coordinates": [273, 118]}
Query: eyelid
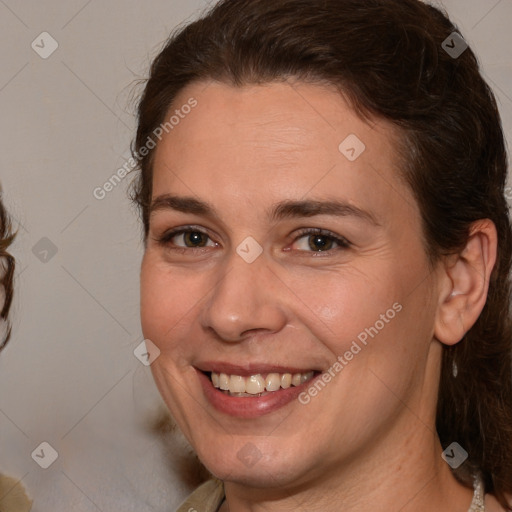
{"type": "Point", "coordinates": [166, 237]}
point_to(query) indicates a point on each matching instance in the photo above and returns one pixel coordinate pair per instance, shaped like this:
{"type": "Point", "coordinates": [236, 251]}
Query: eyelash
{"type": "Point", "coordinates": [165, 239]}
{"type": "Point", "coordinates": [342, 242]}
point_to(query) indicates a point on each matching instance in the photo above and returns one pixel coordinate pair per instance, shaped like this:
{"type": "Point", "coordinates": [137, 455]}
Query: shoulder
{"type": "Point", "coordinates": [206, 498]}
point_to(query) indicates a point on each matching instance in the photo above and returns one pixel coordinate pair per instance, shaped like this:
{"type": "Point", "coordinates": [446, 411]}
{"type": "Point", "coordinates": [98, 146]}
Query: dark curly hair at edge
{"type": "Point", "coordinates": [385, 57]}
{"type": "Point", "coordinates": [7, 266]}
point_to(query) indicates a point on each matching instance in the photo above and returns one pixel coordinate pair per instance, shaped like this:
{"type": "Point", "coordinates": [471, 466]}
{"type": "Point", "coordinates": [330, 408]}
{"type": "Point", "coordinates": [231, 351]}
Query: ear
{"type": "Point", "coordinates": [464, 282]}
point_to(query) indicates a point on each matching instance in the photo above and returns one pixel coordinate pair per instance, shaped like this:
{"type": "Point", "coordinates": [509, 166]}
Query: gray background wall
{"type": "Point", "coordinates": [69, 376]}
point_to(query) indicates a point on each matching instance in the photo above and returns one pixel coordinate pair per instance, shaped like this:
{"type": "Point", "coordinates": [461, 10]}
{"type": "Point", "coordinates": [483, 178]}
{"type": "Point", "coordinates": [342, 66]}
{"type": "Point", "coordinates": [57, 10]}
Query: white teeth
{"type": "Point", "coordinates": [286, 380]}
{"type": "Point", "coordinates": [256, 384]}
{"type": "Point", "coordinates": [224, 381]}
{"type": "Point", "coordinates": [237, 384]}
{"type": "Point", "coordinates": [273, 382]}
{"type": "Point", "coordinates": [296, 379]}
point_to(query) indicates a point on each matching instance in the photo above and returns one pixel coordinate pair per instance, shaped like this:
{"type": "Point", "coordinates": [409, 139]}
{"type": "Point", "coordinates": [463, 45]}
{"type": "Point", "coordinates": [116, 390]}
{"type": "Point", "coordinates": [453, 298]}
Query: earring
{"type": "Point", "coordinates": [455, 370]}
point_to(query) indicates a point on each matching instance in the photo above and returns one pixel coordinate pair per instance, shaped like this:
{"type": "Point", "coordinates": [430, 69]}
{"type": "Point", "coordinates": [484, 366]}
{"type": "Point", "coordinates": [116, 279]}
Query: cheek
{"type": "Point", "coordinates": [344, 305]}
{"type": "Point", "coordinates": [165, 300]}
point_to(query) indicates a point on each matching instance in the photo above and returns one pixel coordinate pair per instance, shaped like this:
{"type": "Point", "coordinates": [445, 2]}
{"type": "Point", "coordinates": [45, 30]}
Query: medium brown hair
{"type": "Point", "coordinates": [386, 57]}
{"type": "Point", "coordinates": [7, 265]}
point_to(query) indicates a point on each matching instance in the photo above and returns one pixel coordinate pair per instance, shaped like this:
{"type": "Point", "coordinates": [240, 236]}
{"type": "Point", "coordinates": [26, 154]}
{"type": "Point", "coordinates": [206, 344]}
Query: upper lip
{"type": "Point", "coordinates": [249, 369]}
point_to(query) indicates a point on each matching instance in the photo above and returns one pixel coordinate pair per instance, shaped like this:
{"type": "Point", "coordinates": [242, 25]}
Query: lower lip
{"type": "Point", "coordinates": [250, 407]}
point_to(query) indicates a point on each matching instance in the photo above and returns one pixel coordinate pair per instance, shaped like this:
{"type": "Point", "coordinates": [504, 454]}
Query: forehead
{"type": "Point", "coordinates": [277, 139]}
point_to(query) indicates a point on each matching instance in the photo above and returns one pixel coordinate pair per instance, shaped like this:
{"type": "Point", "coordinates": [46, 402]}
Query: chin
{"type": "Point", "coordinates": [248, 462]}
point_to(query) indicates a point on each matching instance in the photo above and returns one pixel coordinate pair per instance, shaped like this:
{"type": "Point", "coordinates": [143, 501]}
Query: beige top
{"type": "Point", "coordinates": [206, 498]}
{"type": "Point", "coordinates": [12, 496]}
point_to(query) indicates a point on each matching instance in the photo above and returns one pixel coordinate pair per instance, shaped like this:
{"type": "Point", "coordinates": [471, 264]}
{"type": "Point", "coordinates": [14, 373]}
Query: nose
{"type": "Point", "coordinates": [246, 300]}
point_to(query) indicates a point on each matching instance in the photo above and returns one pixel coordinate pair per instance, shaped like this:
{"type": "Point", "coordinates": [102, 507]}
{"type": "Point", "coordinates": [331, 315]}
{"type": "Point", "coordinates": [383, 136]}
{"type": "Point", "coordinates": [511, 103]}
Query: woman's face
{"type": "Point", "coordinates": [303, 253]}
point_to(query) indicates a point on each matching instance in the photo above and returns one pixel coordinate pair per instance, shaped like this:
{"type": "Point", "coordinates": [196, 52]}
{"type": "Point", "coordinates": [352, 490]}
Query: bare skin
{"type": "Point", "coordinates": [367, 441]}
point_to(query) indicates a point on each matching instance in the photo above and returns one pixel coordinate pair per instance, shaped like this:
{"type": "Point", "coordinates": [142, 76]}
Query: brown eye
{"type": "Point", "coordinates": [318, 240]}
{"type": "Point", "coordinates": [186, 238]}
{"type": "Point", "coordinates": [194, 239]}
{"type": "Point", "coordinates": [320, 243]}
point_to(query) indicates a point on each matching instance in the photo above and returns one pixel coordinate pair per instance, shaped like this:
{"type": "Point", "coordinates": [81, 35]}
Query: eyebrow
{"type": "Point", "coordinates": [282, 210]}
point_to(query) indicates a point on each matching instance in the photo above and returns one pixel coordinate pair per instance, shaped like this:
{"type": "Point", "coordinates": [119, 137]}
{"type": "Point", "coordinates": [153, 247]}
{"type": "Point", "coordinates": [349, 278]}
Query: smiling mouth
{"type": "Point", "coordinates": [259, 384]}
